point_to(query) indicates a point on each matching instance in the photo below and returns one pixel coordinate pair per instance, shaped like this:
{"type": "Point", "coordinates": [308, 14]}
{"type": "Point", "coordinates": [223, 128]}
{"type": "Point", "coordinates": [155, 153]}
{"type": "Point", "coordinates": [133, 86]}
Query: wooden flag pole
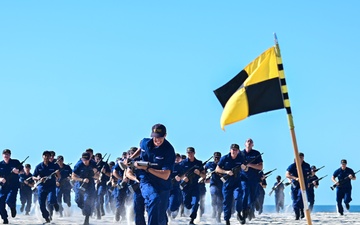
{"type": "Point", "coordinates": [293, 137]}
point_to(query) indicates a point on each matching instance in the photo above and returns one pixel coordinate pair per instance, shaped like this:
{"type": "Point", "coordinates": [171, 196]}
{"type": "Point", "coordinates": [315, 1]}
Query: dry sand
{"type": "Point", "coordinates": [74, 217]}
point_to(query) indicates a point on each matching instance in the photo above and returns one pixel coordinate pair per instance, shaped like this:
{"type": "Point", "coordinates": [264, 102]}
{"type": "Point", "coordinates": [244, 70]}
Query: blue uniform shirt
{"type": "Point", "coordinates": [43, 171]}
{"type": "Point", "coordinates": [228, 163]}
{"type": "Point", "coordinates": [164, 156]}
{"type": "Point", "coordinates": [306, 169]}
{"type": "Point", "coordinates": [83, 171]}
{"type": "Point", "coordinates": [251, 174]}
{"type": "Point", "coordinates": [187, 165]}
{"type": "Point", "coordinates": [341, 175]}
{"type": "Point", "coordinates": [104, 178]}
{"type": "Point", "coordinates": [215, 178]}
{"type": "Point", "coordinates": [12, 179]}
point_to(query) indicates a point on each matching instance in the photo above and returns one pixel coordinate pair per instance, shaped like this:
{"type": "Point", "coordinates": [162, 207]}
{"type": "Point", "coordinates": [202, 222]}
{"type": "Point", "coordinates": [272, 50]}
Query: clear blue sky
{"type": "Point", "coordinates": [99, 74]}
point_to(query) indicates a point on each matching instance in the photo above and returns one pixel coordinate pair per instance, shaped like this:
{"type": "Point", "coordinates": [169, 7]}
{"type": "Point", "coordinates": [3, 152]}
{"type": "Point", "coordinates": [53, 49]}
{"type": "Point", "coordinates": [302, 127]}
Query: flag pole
{"type": "Point", "coordinates": [292, 130]}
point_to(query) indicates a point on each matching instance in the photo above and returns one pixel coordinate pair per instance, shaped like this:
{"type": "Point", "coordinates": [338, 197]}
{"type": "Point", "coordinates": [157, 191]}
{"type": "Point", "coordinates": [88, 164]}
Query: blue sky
{"type": "Point", "coordinates": [99, 74]}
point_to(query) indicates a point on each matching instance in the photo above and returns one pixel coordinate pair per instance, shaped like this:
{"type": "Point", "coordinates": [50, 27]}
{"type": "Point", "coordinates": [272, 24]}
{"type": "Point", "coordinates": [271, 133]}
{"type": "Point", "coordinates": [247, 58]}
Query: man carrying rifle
{"type": "Point", "coordinates": [121, 188]}
{"type": "Point", "coordinates": [230, 165]}
{"type": "Point", "coordinates": [104, 176]}
{"type": "Point", "coordinates": [313, 182]}
{"type": "Point", "coordinates": [344, 176]}
{"type": "Point", "coordinates": [296, 195]}
{"type": "Point", "coordinates": [63, 186]}
{"type": "Point", "coordinates": [216, 186]}
{"type": "Point", "coordinates": [191, 190]}
{"type": "Point", "coordinates": [155, 181]}
{"type": "Point", "coordinates": [26, 182]}
{"type": "Point", "coordinates": [279, 194]}
{"type": "Point", "coordinates": [84, 174]}
{"type": "Point", "coordinates": [46, 185]}
{"type": "Point", "coordinates": [9, 181]}
{"type": "Point", "coordinates": [250, 178]}
{"type": "Point", "coordinates": [175, 192]}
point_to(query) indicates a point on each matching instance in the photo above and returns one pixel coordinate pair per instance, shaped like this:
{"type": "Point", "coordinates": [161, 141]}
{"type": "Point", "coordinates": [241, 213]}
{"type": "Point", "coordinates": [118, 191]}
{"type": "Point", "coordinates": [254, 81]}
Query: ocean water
{"type": "Point", "coordinates": [317, 208]}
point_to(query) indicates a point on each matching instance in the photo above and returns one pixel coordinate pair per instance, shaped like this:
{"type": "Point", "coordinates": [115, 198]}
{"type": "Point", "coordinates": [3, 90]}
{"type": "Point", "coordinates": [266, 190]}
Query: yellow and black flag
{"type": "Point", "coordinates": [259, 87]}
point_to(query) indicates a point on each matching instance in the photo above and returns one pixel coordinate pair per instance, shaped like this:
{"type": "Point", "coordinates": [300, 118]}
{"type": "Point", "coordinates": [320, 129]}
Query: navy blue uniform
{"type": "Point", "coordinates": [9, 189]}
{"type": "Point", "coordinates": [175, 192]}
{"type": "Point", "coordinates": [216, 186]}
{"type": "Point", "coordinates": [46, 190]}
{"type": "Point", "coordinates": [343, 191]}
{"type": "Point", "coordinates": [191, 192]}
{"type": "Point", "coordinates": [231, 188]}
{"type": "Point", "coordinates": [279, 196]}
{"type": "Point", "coordinates": [85, 199]}
{"type": "Point", "coordinates": [155, 190]}
{"type": "Point", "coordinates": [250, 181]}
{"type": "Point", "coordinates": [296, 196]}
{"type": "Point", "coordinates": [310, 192]}
{"type": "Point", "coordinates": [101, 187]}
{"type": "Point", "coordinates": [64, 189]}
{"type": "Point", "coordinates": [120, 193]}
{"type": "Point", "coordinates": [25, 191]}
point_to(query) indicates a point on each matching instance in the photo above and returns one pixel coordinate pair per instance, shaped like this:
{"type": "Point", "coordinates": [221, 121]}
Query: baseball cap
{"type": "Point", "coordinates": [158, 130]}
{"type": "Point", "coordinates": [6, 151]}
{"type": "Point", "coordinates": [313, 167]}
{"type": "Point", "coordinates": [60, 157]}
{"type": "Point", "coordinates": [99, 155]}
{"type": "Point", "coordinates": [217, 154]}
{"type": "Point", "coordinates": [301, 154]}
{"type": "Point", "coordinates": [343, 161]}
{"type": "Point", "coordinates": [235, 146]}
{"type": "Point", "coordinates": [46, 152]}
{"type": "Point", "coordinates": [86, 156]}
{"type": "Point", "coordinates": [190, 149]}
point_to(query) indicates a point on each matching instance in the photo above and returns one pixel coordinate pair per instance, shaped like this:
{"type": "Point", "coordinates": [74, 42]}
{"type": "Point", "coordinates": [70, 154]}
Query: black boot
{"type": "Point", "coordinates": [102, 210]}
{"type": "Point", "coordinates": [86, 221]}
{"type": "Point", "coordinates": [117, 215]}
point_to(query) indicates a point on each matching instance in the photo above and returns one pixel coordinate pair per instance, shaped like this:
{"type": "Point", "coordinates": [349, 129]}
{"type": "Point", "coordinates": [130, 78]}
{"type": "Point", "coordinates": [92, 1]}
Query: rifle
{"type": "Point", "coordinates": [342, 181]}
{"type": "Point", "coordinates": [106, 162]}
{"type": "Point", "coordinates": [267, 173]}
{"type": "Point", "coordinates": [190, 173]}
{"type": "Point", "coordinates": [237, 168]}
{"type": "Point", "coordinates": [131, 164]}
{"type": "Point", "coordinates": [21, 163]}
{"type": "Point", "coordinates": [316, 180]}
{"type": "Point", "coordinates": [276, 186]}
{"type": "Point", "coordinates": [208, 176]}
{"type": "Point", "coordinates": [315, 171]}
{"type": "Point", "coordinates": [48, 177]}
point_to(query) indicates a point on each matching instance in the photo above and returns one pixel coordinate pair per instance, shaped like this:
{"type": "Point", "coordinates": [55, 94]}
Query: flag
{"type": "Point", "coordinates": [255, 89]}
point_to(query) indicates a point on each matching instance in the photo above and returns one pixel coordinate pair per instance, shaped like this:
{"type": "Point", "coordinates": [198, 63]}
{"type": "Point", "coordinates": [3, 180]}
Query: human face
{"type": "Point", "coordinates": [191, 155]}
{"type": "Point", "coordinates": [85, 161]}
{"type": "Point", "coordinates": [249, 143]}
{"type": "Point", "coordinates": [158, 140]}
{"type": "Point", "coordinates": [234, 152]}
{"type": "Point", "coordinates": [6, 157]}
{"type": "Point", "coordinates": [343, 166]}
{"type": "Point", "coordinates": [46, 158]}
{"type": "Point", "coordinates": [216, 159]}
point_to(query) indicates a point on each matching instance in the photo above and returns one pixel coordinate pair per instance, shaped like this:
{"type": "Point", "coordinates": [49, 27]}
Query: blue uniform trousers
{"type": "Point", "coordinates": [100, 195]}
{"type": "Point", "coordinates": [156, 202]}
{"type": "Point", "coordinates": [231, 194]}
{"type": "Point", "coordinates": [217, 198]}
{"type": "Point", "coordinates": [175, 199]}
{"type": "Point", "coordinates": [191, 198]}
{"type": "Point", "coordinates": [343, 193]}
{"type": "Point", "coordinates": [26, 198]}
{"type": "Point", "coordinates": [85, 199]}
{"type": "Point", "coordinates": [249, 188]}
{"type": "Point", "coordinates": [46, 194]}
{"type": "Point", "coordinates": [139, 208]}
{"type": "Point", "coordinates": [120, 199]}
{"type": "Point", "coordinates": [63, 194]}
{"type": "Point", "coordinates": [298, 203]}
{"type": "Point", "coordinates": [7, 196]}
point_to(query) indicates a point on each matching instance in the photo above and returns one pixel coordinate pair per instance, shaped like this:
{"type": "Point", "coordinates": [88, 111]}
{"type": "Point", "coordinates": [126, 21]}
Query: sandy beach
{"type": "Point", "coordinates": [74, 216]}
